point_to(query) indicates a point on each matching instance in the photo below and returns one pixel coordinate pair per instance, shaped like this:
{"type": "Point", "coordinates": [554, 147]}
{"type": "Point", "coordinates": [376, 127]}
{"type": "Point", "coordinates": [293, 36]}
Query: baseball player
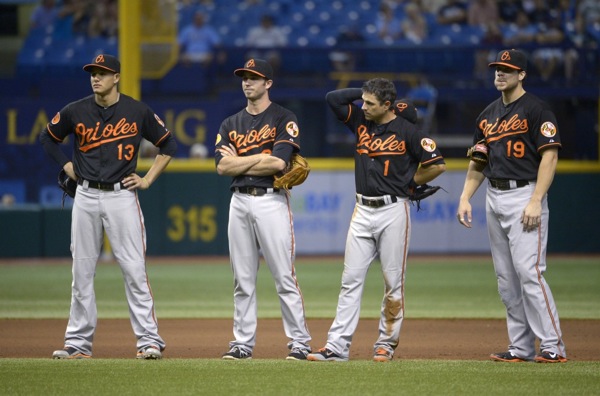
{"type": "Point", "coordinates": [392, 156]}
{"type": "Point", "coordinates": [107, 129]}
{"type": "Point", "coordinates": [522, 139]}
{"type": "Point", "coordinates": [252, 146]}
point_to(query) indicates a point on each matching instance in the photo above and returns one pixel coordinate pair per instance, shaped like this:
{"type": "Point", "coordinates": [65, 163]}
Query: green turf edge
{"type": "Point", "coordinates": [276, 377]}
{"type": "Point", "coordinates": [435, 288]}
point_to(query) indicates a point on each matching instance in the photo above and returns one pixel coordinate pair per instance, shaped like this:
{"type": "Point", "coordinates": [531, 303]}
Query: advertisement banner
{"type": "Point", "coordinates": [323, 208]}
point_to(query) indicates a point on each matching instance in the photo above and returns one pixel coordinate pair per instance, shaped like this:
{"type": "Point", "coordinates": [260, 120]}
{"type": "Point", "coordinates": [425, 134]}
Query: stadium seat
{"type": "Point", "coordinates": [424, 97]}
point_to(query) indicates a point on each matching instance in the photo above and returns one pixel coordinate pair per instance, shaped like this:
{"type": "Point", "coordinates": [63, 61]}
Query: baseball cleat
{"type": "Point", "coordinates": [382, 355]}
{"type": "Point", "coordinates": [298, 354]}
{"type": "Point", "coordinates": [69, 353]}
{"type": "Point", "coordinates": [549, 357]}
{"type": "Point", "coordinates": [150, 352]}
{"type": "Point", "coordinates": [238, 353]}
{"type": "Point", "coordinates": [325, 355]}
{"type": "Point", "coordinates": [506, 357]}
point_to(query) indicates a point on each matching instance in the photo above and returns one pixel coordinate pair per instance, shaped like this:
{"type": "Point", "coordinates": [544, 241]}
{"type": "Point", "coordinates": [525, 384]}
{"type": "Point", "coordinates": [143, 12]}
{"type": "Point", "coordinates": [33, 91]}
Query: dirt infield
{"type": "Point", "coordinates": [462, 339]}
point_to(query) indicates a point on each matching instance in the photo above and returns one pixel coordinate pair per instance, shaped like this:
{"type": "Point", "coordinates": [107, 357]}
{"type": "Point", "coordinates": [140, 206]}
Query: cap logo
{"type": "Point", "coordinates": [100, 59]}
{"type": "Point", "coordinates": [505, 56]}
{"type": "Point", "coordinates": [401, 106]}
{"type": "Point", "coordinates": [250, 63]}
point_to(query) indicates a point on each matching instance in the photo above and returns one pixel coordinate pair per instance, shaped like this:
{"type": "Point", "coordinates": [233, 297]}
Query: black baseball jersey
{"type": "Point", "coordinates": [388, 155]}
{"type": "Point", "coordinates": [516, 134]}
{"type": "Point", "coordinates": [275, 131]}
{"type": "Point", "coordinates": [106, 140]}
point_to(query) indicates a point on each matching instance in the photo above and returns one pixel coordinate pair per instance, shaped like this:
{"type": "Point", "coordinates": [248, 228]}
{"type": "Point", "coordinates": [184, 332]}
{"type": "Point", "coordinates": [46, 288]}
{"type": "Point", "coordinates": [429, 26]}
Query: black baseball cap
{"type": "Point", "coordinates": [256, 66]}
{"type": "Point", "coordinates": [405, 109]}
{"type": "Point", "coordinates": [512, 58]}
{"type": "Point", "coordinates": [106, 62]}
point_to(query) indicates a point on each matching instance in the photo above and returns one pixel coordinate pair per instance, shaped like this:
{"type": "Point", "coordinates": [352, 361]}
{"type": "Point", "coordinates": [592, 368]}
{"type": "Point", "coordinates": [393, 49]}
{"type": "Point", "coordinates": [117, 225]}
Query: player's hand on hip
{"type": "Point", "coordinates": [134, 181]}
{"type": "Point", "coordinates": [463, 214]}
{"type": "Point", "coordinates": [532, 215]}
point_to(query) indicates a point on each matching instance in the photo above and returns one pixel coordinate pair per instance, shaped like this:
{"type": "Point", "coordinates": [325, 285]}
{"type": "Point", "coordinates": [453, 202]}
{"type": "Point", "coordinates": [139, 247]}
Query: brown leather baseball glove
{"type": "Point", "coordinates": [295, 174]}
{"type": "Point", "coordinates": [479, 152]}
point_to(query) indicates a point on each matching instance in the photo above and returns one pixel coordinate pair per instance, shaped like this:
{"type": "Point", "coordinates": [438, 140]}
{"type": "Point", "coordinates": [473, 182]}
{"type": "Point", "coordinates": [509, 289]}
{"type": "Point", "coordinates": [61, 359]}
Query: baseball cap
{"type": "Point", "coordinates": [512, 58]}
{"type": "Point", "coordinates": [106, 62]}
{"type": "Point", "coordinates": [405, 109]}
{"type": "Point", "coordinates": [256, 66]}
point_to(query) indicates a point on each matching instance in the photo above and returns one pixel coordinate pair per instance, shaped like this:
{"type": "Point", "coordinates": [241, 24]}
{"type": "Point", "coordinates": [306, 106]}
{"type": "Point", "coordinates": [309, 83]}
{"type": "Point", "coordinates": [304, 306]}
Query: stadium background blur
{"type": "Point", "coordinates": [329, 44]}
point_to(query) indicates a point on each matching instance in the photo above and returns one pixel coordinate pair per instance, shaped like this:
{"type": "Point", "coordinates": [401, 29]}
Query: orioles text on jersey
{"type": "Point", "coordinates": [253, 139]}
{"type": "Point", "coordinates": [94, 137]}
{"type": "Point", "coordinates": [512, 126]}
{"type": "Point", "coordinates": [373, 147]}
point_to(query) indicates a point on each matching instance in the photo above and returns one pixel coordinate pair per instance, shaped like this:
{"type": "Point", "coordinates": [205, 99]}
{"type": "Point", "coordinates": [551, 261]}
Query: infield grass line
{"type": "Point", "coordinates": [276, 377]}
{"type": "Point", "coordinates": [456, 287]}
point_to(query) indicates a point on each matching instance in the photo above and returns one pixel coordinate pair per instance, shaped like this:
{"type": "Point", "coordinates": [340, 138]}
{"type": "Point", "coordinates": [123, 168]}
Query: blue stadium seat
{"type": "Point", "coordinates": [100, 45]}
{"type": "Point", "coordinates": [424, 97]}
{"type": "Point", "coordinates": [594, 31]}
{"type": "Point", "coordinates": [59, 59]}
{"type": "Point", "coordinates": [455, 34]}
{"type": "Point", "coordinates": [30, 60]}
{"type": "Point", "coordinates": [63, 28]}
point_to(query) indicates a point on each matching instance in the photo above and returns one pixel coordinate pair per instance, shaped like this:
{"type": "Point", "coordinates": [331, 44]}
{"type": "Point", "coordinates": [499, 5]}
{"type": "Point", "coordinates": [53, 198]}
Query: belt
{"type": "Point", "coordinates": [505, 184]}
{"type": "Point", "coordinates": [375, 202]}
{"type": "Point", "coordinates": [100, 185]}
{"type": "Point", "coordinates": [256, 191]}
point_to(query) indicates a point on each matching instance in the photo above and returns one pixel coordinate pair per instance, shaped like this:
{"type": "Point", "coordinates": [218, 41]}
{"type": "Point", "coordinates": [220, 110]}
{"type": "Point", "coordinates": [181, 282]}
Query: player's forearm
{"type": "Point", "coordinates": [235, 166]}
{"type": "Point", "coordinates": [160, 163]}
{"type": "Point", "coordinates": [267, 166]}
{"type": "Point", "coordinates": [546, 173]}
{"type": "Point", "coordinates": [473, 180]}
{"type": "Point", "coordinates": [425, 174]}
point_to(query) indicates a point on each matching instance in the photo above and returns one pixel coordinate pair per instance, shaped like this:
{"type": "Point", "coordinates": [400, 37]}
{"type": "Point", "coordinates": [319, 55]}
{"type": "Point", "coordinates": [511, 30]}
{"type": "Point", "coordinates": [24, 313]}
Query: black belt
{"type": "Point", "coordinates": [100, 185]}
{"type": "Point", "coordinates": [505, 184]}
{"type": "Point", "coordinates": [256, 191]}
{"type": "Point", "coordinates": [375, 202]}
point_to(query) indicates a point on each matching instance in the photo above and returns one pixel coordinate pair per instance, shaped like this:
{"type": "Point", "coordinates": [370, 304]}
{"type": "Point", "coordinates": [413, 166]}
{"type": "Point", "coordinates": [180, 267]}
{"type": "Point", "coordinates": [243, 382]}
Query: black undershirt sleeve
{"type": "Point", "coordinates": [169, 146]}
{"type": "Point", "coordinates": [52, 148]}
{"type": "Point", "coordinates": [340, 99]}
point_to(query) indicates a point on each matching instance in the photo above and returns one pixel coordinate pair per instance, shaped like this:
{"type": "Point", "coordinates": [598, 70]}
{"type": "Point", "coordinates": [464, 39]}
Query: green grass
{"type": "Point", "coordinates": [450, 287]}
{"type": "Point", "coordinates": [435, 288]}
{"type": "Point", "coordinates": [277, 377]}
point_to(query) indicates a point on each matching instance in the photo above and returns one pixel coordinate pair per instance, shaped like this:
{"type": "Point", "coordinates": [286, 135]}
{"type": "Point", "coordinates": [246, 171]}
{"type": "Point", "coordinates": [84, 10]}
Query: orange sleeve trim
{"type": "Point", "coordinates": [52, 135]}
{"type": "Point", "coordinates": [549, 145]}
{"type": "Point", "coordinates": [162, 138]}
{"type": "Point", "coordinates": [349, 114]}
{"type": "Point", "coordinates": [286, 142]}
{"type": "Point", "coordinates": [432, 161]}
